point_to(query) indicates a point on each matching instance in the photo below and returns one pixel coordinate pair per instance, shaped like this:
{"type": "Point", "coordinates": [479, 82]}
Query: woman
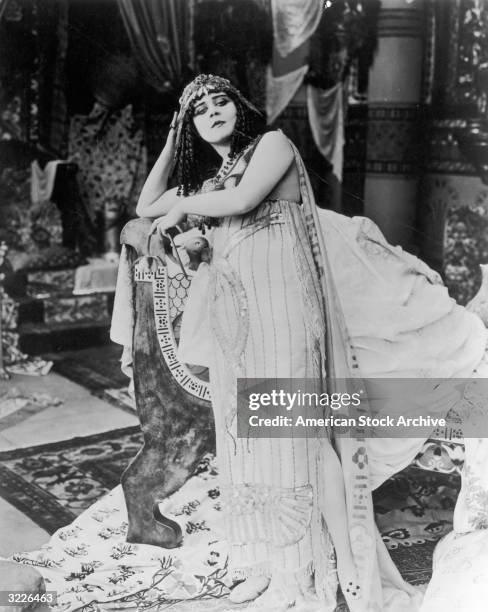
{"type": "Point", "coordinates": [274, 312]}
{"type": "Point", "coordinates": [261, 328]}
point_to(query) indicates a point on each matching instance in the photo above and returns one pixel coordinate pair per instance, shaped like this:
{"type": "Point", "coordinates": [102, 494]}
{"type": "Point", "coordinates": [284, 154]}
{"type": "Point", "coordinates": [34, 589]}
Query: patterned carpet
{"type": "Point", "coordinates": [54, 483]}
{"type": "Point", "coordinates": [89, 562]}
{"type": "Point", "coordinates": [414, 509]}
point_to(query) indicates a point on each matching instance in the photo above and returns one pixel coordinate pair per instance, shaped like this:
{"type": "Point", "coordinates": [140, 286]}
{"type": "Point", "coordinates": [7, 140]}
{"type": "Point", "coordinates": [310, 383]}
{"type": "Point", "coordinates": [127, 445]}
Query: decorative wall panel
{"type": "Point", "coordinates": [455, 225]}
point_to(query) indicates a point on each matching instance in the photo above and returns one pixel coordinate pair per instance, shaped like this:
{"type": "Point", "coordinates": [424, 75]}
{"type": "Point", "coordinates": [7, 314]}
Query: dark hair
{"type": "Point", "coordinates": [196, 160]}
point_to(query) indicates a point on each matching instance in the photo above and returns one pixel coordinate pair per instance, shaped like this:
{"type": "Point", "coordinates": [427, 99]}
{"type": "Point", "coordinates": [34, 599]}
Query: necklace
{"type": "Point", "coordinates": [224, 170]}
{"type": "Point", "coordinates": [215, 183]}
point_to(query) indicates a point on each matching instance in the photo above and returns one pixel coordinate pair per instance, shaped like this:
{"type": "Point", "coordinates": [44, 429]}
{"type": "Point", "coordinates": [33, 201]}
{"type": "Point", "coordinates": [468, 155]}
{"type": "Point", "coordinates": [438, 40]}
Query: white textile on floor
{"type": "Point", "coordinates": [90, 560]}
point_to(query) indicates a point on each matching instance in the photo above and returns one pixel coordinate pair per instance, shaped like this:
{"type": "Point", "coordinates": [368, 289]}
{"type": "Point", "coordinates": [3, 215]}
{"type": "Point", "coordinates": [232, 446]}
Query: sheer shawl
{"type": "Point", "coordinates": [341, 372]}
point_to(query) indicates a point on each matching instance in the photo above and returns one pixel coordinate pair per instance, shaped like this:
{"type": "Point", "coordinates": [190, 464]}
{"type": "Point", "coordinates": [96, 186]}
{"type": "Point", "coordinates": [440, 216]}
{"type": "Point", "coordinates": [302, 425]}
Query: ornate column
{"type": "Point", "coordinates": [393, 141]}
{"type": "Point", "coordinates": [454, 196]}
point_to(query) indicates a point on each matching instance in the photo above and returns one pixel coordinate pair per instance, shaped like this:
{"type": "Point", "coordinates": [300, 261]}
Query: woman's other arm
{"type": "Point", "coordinates": [156, 199]}
{"type": "Point", "coordinates": [269, 163]}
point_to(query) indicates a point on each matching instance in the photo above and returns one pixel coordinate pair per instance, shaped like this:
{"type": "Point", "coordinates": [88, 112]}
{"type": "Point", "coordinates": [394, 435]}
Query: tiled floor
{"type": "Point", "coordinates": [79, 414]}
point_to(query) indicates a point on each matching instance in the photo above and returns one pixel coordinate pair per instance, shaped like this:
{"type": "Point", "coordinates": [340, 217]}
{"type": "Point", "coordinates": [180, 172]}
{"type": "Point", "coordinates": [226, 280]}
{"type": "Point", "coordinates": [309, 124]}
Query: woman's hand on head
{"type": "Point", "coordinates": [156, 199]}
{"type": "Point", "coordinates": [170, 145]}
{"type": "Point", "coordinates": [172, 218]}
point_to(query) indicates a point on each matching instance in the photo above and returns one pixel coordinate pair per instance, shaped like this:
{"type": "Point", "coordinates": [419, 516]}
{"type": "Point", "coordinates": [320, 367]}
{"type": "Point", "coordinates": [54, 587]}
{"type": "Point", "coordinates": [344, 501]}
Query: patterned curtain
{"type": "Point", "coordinates": [160, 32]}
{"type": "Point", "coordinates": [109, 150]}
{"type": "Point", "coordinates": [52, 44]}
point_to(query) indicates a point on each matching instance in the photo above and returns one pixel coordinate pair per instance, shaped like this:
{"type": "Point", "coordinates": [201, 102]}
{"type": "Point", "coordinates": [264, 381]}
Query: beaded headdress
{"type": "Point", "coordinates": [202, 85]}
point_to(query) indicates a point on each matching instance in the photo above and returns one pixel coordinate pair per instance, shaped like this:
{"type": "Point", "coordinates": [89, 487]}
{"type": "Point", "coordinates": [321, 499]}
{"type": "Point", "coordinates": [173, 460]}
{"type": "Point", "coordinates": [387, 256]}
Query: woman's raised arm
{"type": "Point", "coordinates": [156, 199]}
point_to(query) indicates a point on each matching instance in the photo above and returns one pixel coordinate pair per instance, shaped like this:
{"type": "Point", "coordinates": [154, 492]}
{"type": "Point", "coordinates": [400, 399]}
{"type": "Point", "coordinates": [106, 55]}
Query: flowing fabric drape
{"type": "Point", "coordinates": [160, 32]}
{"type": "Point", "coordinates": [294, 22]}
{"type": "Point", "coordinates": [326, 118]}
{"type": "Point", "coordinates": [281, 89]}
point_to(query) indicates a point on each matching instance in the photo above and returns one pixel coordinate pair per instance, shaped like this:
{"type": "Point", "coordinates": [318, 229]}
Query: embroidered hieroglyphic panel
{"type": "Point", "coordinates": [170, 294]}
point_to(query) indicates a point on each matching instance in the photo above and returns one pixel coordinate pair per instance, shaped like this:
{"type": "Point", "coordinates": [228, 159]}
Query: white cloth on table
{"type": "Point", "coordinates": [42, 180]}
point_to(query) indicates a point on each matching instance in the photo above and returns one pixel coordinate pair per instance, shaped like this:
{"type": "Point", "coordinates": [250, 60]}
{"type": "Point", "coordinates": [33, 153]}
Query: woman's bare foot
{"type": "Point", "coordinates": [248, 590]}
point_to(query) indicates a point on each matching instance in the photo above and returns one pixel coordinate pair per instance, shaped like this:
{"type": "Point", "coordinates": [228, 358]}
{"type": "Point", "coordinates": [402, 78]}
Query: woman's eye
{"type": "Point", "coordinates": [222, 101]}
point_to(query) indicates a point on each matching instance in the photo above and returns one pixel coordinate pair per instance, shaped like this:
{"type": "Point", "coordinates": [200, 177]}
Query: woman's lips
{"type": "Point", "coordinates": [218, 123]}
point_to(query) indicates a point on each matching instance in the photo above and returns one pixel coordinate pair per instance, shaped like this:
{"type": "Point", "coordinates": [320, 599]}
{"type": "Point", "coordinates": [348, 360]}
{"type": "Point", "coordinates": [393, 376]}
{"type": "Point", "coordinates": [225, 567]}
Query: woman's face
{"type": "Point", "coordinates": [214, 117]}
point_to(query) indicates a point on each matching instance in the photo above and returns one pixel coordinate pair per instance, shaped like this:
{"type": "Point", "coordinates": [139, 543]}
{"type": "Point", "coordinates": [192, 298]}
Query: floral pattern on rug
{"type": "Point", "coordinates": [414, 510]}
{"type": "Point", "coordinates": [72, 474]}
{"type": "Point", "coordinates": [416, 506]}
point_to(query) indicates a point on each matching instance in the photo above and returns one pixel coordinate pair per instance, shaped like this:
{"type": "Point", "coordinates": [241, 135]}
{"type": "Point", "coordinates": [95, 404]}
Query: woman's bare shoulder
{"type": "Point", "coordinates": [274, 155]}
{"type": "Point", "coordinates": [275, 138]}
{"type": "Point", "coordinates": [274, 145]}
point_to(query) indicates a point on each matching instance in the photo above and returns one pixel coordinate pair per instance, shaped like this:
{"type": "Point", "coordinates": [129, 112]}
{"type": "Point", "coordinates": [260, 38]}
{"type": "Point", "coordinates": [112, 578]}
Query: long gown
{"type": "Point", "coordinates": [263, 326]}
